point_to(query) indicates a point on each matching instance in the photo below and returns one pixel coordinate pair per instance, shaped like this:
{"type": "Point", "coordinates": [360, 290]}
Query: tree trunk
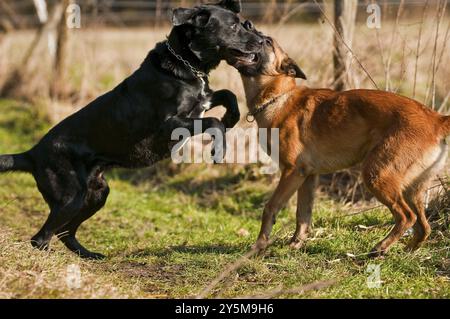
{"type": "Point", "coordinates": [270, 13]}
{"type": "Point", "coordinates": [158, 11]}
{"type": "Point", "coordinates": [344, 19]}
{"type": "Point", "coordinates": [17, 77]}
{"type": "Point", "coordinates": [15, 20]}
{"type": "Point", "coordinates": [338, 56]}
{"type": "Point", "coordinates": [59, 65]}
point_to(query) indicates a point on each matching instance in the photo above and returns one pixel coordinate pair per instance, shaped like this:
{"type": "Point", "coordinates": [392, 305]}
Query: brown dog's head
{"type": "Point", "coordinates": [270, 61]}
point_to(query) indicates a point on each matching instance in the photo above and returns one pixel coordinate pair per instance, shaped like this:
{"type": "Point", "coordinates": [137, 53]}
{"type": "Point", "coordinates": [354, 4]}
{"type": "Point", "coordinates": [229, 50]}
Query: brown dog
{"type": "Point", "coordinates": [400, 143]}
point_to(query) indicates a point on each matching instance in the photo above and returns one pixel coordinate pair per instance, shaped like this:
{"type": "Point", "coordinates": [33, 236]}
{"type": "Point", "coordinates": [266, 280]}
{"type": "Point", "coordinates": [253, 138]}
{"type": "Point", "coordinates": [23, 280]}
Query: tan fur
{"type": "Point", "coordinates": [399, 141]}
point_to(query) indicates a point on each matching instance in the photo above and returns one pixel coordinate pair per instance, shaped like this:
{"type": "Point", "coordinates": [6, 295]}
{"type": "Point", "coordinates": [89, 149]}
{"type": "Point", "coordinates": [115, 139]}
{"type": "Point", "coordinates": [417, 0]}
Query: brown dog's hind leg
{"type": "Point", "coordinates": [305, 201]}
{"type": "Point", "coordinates": [422, 228]}
{"type": "Point", "coordinates": [404, 219]}
{"type": "Point", "coordinates": [424, 170]}
{"type": "Point", "coordinates": [289, 183]}
{"type": "Point", "coordinates": [384, 180]}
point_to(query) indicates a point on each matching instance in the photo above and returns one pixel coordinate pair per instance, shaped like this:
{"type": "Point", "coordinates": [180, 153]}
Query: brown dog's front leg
{"type": "Point", "coordinates": [305, 201]}
{"type": "Point", "coordinates": [290, 181]}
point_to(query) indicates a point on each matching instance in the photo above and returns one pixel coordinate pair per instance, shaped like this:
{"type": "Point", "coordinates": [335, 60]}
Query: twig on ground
{"type": "Point", "coordinates": [227, 285]}
{"type": "Point", "coordinates": [361, 211]}
{"type": "Point", "coordinates": [231, 267]}
{"type": "Point", "coordinates": [292, 291]}
{"type": "Point", "coordinates": [227, 271]}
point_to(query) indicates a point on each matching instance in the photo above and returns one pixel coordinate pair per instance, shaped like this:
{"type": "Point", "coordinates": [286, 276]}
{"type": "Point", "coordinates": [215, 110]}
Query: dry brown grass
{"type": "Point", "coordinates": [28, 273]}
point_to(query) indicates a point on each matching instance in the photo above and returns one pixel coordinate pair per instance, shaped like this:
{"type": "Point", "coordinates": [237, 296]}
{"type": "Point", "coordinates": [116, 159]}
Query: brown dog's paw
{"type": "Point", "coordinates": [413, 245]}
{"type": "Point", "coordinates": [260, 246]}
{"type": "Point", "coordinates": [296, 243]}
{"type": "Point", "coordinates": [376, 252]}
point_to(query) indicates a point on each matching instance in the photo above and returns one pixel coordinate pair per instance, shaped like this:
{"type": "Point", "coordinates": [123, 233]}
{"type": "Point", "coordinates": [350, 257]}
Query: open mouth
{"type": "Point", "coordinates": [244, 58]}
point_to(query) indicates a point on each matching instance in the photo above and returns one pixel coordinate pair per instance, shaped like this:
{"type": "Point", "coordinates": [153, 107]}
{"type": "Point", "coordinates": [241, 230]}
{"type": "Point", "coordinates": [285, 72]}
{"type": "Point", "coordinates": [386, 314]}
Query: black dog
{"type": "Point", "coordinates": [130, 126]}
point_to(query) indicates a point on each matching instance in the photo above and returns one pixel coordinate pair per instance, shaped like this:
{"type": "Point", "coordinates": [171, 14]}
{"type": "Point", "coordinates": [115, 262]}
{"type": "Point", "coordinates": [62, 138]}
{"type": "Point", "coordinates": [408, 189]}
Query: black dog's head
{"type": "Point", "coordinates": [215, 32]}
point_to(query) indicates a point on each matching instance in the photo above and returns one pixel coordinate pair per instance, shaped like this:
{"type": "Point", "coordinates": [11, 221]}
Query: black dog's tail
{"type": "Point", "coordinates": [16, 162]}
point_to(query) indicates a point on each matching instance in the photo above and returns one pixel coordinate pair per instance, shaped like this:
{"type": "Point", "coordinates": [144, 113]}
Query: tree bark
{"type": "Point", "coordinates": [17, 77]}
{"type": "Point", "coordinates": [59, 65]}
{"type": "Point", "coordinates": [270, 13]}
{"type": "Point", "coordinates": [11, 15]}
{"type": "Point", "coordinates": [158, 11]}
{"type": "Point", "coordinates": [338, 54]}
{"type": "Point", "coordinates": [344, 19]}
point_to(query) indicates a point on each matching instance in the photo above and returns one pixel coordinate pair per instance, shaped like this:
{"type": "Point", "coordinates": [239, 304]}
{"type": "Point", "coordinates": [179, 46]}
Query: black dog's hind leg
{"type": "Point", "coordinates": [198, 126]}
{"type": "Point", "coordinates": [64, 191]}
{"type": "Point", "coordinates": [60, 214]}
{"type": "Point", "coordinates": [97, 194]}
{"type": "Point", "coordinates": [227, 99]}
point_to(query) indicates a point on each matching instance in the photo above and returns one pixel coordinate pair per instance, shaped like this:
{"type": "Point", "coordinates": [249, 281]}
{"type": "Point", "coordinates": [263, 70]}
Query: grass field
{"type": "Point", "coordinates": [168, 231]}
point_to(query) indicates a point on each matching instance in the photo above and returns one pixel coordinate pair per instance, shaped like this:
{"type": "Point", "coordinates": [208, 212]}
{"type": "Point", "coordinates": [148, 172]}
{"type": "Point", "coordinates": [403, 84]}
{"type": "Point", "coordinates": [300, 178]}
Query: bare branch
{"type": "Point", "coordinates": [280, 291]}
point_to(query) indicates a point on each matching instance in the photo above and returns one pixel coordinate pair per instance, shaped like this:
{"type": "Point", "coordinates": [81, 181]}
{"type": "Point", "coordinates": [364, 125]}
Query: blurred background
{"type": "Point", "coordinates": [41, 58]}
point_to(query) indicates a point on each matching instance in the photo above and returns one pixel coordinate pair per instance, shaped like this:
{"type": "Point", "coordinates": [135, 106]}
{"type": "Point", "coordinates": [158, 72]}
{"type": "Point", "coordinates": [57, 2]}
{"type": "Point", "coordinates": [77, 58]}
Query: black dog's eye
{"type": "Point", "coordinates": [248, 25]}
{"type": "Point", "coordinates": [233, 27]}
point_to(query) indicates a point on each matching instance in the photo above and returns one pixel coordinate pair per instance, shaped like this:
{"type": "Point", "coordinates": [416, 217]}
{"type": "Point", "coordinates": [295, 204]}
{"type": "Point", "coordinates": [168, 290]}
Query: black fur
{"type": "Point", "coordinates": [130, 126]}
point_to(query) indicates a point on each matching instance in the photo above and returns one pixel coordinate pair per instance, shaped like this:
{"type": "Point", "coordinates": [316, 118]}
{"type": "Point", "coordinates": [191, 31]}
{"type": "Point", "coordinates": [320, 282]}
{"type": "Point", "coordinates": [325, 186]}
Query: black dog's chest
{"type": "Point", "coordinates": [203, 104]}
{"type": "Point", "coordinates": [194, 102]}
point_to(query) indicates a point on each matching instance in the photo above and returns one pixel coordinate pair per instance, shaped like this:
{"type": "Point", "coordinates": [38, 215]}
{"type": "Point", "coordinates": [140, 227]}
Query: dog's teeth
{"type": "Point", "coordinates": [251, 57]}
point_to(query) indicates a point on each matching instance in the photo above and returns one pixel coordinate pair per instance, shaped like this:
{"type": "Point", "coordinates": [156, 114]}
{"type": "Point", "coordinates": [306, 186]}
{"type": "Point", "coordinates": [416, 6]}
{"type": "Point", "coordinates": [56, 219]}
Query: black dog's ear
{"type": "Point", "coordinates": [233, 5]}
{"type": "Point", "coordinates": [194, 16]}
{"type": "Point", "coordinates": [181, 16]}
{"type": "Point", "coordinates": [289, 67]}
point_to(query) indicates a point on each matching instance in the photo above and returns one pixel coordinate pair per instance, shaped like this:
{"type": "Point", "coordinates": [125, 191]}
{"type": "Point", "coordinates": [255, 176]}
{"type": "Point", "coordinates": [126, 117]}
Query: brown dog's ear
{"type": "Point", "coordinates": [289, 67]}
{"type": "Point", "coordinates": [233, 5]}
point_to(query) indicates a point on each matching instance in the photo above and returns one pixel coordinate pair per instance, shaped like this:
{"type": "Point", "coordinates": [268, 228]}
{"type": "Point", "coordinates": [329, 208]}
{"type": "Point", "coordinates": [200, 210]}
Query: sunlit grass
{"type": "Point", "coordinates": [169, 232]}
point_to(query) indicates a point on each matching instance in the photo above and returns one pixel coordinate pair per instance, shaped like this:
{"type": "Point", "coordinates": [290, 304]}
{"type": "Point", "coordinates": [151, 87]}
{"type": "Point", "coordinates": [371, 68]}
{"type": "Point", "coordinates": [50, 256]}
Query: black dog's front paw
{"type": "Point", "coordinates": [227, 99]}
{"type": "Point", "coordinates": [231, 119]}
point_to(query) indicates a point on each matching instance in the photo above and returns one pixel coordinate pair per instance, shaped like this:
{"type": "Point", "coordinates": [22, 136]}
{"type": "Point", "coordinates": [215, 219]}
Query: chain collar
{"type": "Point", "coordinates": [200, 75]}
{"type": "Point", "coordinates": [251, 115]}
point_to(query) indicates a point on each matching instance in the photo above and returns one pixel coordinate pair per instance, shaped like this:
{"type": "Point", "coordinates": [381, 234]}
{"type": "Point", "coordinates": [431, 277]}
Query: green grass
{"type": "Point", "coordinates": [169, 230]}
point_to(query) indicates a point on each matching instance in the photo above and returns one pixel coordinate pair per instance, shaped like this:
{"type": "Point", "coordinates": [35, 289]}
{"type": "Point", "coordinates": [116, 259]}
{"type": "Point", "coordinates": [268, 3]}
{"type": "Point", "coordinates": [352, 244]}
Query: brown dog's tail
{"type": "Point", "coordinates": [446, 125]}
{"type": "Point", "coordinates": [16, 162]}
